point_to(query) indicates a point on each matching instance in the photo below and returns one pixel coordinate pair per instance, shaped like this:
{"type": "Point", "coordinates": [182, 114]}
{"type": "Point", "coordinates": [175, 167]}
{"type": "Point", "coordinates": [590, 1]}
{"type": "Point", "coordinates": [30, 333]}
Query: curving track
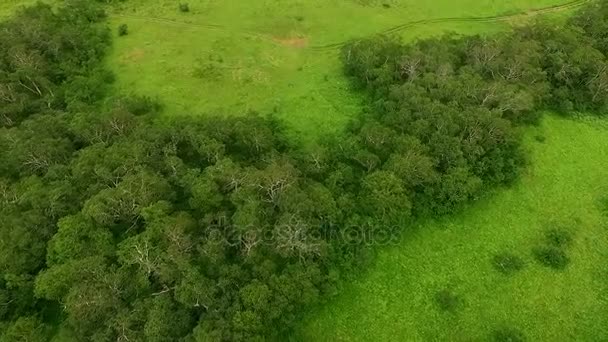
{"type": "Point", "coordinates": [489, 19]}
{"type": "Point", "coordinates": [329, 47]}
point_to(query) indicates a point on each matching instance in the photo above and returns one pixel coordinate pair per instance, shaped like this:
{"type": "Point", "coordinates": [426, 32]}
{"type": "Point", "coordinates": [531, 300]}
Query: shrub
{"type": "Point", "coordinates": [207, 70]}
{"type": "Point", "coordinates": [141, 105]}
{"type": "Point", "coordinates": [508, 334]}
{"type": "Point", "coordinates": [184, 8]}
{"type": "Point", "coordinates": [552, 256]}
{"type": "Point", "coordinates": [123, 30]}
{"type": "Point", "coordinates": [446, 300]}
{"type": "Point", "coordinates": [558, 237]}
{"type": "Point", "coordinates": [507, 263]}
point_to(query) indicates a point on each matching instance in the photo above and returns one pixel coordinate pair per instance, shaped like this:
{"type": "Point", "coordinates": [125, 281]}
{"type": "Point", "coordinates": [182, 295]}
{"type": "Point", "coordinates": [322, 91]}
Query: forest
{"type": "Point", "coordinates": [119, 224]}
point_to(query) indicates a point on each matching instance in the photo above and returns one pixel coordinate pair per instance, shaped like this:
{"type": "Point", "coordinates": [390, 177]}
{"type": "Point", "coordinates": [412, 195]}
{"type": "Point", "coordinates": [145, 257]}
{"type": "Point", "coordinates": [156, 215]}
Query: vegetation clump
{"type": "Point", "coordinates": [508, 334]}
{"type": "Point", "coordinates": [184, 7]}
{"type": "Point", "coordinates": [507, 263]}
{"type": "Point", "coordinates": [553, 252]}
{"type": "Point", "coordinates": [551, 256]}
{"type": "Point", "coordinates": [447, 300]}
{"type": "Point", "coordinates": [123, 30]}
{"type": "Point", "coordinates": [558, 237]}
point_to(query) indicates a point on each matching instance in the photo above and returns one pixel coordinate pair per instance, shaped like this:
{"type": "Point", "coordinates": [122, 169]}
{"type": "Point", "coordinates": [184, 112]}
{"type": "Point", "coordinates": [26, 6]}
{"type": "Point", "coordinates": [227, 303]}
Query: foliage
{"type": "Point", "coordinates": [184, 7]}
{"type": "Point", "coordinates": [42, 55]}
{"type": "Point", "coordinates": [29, 329]}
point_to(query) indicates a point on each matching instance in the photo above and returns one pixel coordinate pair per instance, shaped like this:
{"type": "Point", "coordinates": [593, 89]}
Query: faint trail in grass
{"type": "Point", "coordinates": [392, 30]}
{"type": "Point", "coordinates": [168, 21]}
{"type": "Point", "coordinates": [488, 19]}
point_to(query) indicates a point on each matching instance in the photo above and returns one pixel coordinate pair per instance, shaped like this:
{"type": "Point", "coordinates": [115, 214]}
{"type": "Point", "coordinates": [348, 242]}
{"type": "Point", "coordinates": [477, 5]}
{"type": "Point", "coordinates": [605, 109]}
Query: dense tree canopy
{"type": "Point", "coordinates": [115, 225]}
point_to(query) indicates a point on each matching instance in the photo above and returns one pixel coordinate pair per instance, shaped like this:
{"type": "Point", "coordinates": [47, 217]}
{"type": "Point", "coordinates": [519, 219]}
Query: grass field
{"type": "Point", "coordinates": [232, 57]}
{"type": "Point", "coordinates": [395, 301]}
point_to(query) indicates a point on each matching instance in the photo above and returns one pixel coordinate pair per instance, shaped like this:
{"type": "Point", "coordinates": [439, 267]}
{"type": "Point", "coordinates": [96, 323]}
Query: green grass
{"type": "Point", "coordinates": [232, 57]}
{"type": "Point", "coordinates": [396, 299]}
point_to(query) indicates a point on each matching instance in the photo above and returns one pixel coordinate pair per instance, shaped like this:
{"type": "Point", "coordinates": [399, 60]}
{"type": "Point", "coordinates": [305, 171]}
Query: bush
{"type": "Point", "coordinates": [558, 237]}
{"type": "Point", "coordinates": [551, 256]}
{"type": "Point", "coordinates": [123, 30]}
{"type": "Point", "coordinates": [184, 8]}
{"type": "Point", "coordinates": [141, 105]}
{"type": "Point", "coordinates": [207, 70]}
{"type": "Point", "coordinates": [507, 263]}
{"type": "Point", "coordinates": [446, 300]}
{"type": "Point", "coordinates": [508, 334]}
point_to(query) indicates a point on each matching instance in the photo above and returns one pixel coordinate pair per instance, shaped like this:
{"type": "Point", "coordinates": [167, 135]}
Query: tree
{"type": "Point", "coordinates": [412, 164]}
{"type": "Point", "coordinates": [384, 197]}
{"type": "Point", "coordinates": [166, 320]}
{"type": "Point", "coordinates": [78, 237]}
{"type": "Point", "coordinates": [123, 204]}
{"type": "Point", "coordinates": [26, 329]}
{"type": "Point", "coordinates": [195, 290]}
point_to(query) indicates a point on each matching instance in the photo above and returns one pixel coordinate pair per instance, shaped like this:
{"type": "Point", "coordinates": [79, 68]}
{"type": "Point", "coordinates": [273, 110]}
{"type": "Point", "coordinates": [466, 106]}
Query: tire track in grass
{"type": "Point", "coordinates": [334, 46]}
{"type": "Point", "coordinates": [487, 19]}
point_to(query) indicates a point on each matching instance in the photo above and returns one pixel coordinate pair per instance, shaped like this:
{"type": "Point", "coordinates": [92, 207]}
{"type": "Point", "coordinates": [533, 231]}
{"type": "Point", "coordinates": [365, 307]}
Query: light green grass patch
{"type": "Point", "coordinates": [394, 301]}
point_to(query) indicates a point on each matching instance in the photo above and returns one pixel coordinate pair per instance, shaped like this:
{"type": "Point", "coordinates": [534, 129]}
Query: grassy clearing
{"type": "Point", "coordinates": [239, 56]}
{"type": "Point", "coordinates": [452, 259]}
